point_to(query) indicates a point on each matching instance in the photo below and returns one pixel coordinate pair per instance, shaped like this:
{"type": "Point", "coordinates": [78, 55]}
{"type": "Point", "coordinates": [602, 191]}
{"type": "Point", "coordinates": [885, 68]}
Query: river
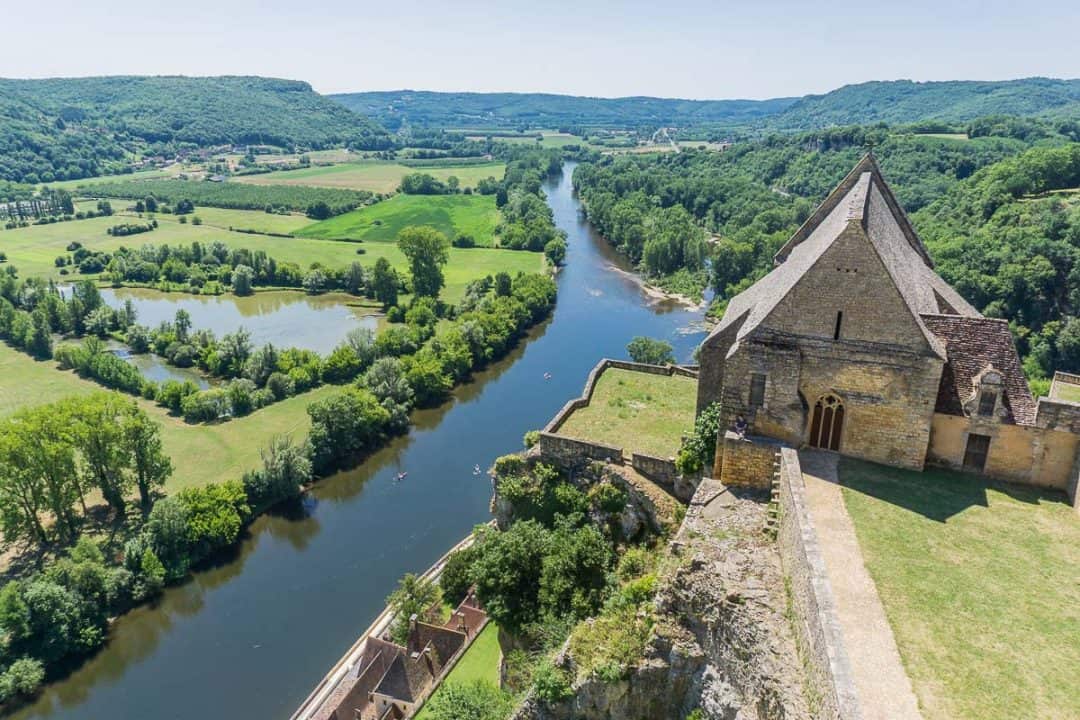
{"type": "Point", "coordinates": [251, 636]}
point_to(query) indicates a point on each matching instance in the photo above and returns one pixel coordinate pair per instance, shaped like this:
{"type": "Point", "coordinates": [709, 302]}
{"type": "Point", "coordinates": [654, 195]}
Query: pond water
{"type": "Point", "coordinates": [154, 367]}
{"type": "Point", "coordinates": [250, 637]}
{"type": "Point", "coordinates": [284, 318]}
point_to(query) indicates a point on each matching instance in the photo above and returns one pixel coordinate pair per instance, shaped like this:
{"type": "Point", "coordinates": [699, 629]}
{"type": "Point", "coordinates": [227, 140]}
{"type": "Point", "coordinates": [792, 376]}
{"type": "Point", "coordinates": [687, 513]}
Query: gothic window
{"type": "Point", "coordinates": [987, 401]}
{"type": "Point", "coordinates": [827, 423]}
{"type": "Point", "coordinates": [757, 390]}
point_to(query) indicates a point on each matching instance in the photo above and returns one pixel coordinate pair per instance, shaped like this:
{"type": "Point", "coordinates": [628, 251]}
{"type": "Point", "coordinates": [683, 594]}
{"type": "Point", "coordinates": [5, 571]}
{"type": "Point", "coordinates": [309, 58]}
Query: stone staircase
{"type": "Point", "coordinates": [772, 512]}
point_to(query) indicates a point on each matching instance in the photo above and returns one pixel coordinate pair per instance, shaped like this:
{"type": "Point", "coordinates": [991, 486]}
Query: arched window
{"type": "Point", "coordinates": [827, 423]}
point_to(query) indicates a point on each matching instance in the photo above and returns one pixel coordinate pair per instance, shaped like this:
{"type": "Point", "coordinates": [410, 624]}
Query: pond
{"type": "Point", "coordinates": [154, 367]}
{"type": "Point", "coordinates": [284, 318]}
{"type": "Point", "coordinates": [250, 637]}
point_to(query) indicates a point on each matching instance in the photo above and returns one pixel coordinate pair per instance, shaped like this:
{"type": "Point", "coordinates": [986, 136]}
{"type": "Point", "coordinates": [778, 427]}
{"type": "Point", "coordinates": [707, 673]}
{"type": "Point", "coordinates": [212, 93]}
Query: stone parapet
{"type": "Point", "coordinates": [746, 461]}
{"type": "Point", "coordinates": [817, 627]}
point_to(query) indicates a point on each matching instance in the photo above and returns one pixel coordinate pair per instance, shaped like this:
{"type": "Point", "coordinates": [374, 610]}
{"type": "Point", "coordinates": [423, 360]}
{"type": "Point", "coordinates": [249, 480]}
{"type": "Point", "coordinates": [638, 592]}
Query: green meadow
{"type": "Point", "coordinates": [452, 215]}
{"type": "Point", "coordinates": [373, 175]}
{"type": "Point", "coordinates": [33, 250]}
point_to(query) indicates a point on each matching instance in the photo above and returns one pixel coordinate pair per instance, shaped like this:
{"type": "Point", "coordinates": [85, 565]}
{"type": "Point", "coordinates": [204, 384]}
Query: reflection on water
{"type": "Point", "coordinates": [284, 318]}
{"type": "Point", "coordinates": [251, 636]}
{"type": "Point", "coordinates": [154, 367]}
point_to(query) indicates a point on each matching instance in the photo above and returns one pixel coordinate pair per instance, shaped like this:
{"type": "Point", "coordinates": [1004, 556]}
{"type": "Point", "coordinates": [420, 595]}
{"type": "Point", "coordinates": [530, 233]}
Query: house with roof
{"type": "Point", "coordinates": [390, 681]}
{"type": "Point", "coordinates": [853, 344]}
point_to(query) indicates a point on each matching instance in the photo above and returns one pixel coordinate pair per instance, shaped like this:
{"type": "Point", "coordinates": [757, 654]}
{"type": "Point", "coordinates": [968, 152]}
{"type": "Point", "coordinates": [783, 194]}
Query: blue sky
{"type": "Point", "coordinates": [670, 48]}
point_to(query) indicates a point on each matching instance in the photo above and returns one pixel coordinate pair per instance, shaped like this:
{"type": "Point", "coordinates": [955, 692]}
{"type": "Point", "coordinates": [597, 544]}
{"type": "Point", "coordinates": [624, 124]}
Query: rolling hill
{"type": "Point", "coordinates": [896, 101]}
{"type": "Point", "coordinates": [67, 128]}
{"type": "Point", "coordinates": [513, 110]}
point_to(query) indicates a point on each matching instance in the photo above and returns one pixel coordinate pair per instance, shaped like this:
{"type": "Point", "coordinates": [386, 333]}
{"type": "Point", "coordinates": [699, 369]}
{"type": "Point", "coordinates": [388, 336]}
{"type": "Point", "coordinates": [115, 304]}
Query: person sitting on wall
{"type": "Point", "coordinates": [740, 426]}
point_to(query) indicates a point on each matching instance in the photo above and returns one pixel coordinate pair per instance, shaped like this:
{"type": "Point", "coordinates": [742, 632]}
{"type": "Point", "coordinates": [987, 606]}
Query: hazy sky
{"type": "Point", "coordinates": [670, 48]}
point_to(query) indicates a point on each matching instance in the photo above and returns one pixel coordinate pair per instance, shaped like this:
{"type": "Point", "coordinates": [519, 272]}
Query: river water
{"type": "Point", "coordinates": [251, 636]}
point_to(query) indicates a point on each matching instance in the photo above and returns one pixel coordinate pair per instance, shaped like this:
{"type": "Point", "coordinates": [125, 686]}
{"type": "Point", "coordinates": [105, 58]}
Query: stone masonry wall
{"type": "Point", "coordinates": [570, 453]}
{"type": "Point", "coordinates": [817, 628]}
{"type": "Point", "coordinates": [747, 462]}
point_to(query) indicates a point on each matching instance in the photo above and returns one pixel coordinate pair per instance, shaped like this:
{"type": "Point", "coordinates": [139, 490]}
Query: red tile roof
{"type": "Point", "coordinates": [973, 343]}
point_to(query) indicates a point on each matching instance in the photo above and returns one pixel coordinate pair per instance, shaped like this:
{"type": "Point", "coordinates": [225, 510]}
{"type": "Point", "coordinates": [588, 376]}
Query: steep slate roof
{"type": "Point", "coordinates": [973, 344]}
{"type": "Point", "coordinates": [862, 197]}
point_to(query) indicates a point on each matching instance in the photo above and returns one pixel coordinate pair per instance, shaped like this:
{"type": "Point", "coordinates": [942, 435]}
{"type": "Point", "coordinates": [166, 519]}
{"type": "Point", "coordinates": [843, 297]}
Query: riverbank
{"type": "Point", "coordinates": [658, 294]}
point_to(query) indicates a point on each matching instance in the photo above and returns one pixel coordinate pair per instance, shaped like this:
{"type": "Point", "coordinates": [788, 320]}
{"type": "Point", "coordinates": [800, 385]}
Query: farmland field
{"type": "Point", "coordinates": [33, 249]}
{"type": "Point", "coordinates": [373, 176]}
{"type": "Point", "coordinates": [452, 215]}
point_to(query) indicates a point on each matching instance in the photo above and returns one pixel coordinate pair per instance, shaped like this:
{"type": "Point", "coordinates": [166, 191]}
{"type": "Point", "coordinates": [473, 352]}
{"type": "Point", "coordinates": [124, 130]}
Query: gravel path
{"type": "Point", "coordinates": [884, 688]}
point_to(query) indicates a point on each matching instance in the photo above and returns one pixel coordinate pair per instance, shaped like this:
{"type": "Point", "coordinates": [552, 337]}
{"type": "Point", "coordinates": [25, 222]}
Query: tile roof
{"type": "Point", "coordinates": [862, 197]}
{"type": "Point", "coordinates": [973, 344]}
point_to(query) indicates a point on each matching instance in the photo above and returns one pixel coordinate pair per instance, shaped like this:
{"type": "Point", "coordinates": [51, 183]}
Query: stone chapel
{"type": "Point", "coordinates": [853, 344]}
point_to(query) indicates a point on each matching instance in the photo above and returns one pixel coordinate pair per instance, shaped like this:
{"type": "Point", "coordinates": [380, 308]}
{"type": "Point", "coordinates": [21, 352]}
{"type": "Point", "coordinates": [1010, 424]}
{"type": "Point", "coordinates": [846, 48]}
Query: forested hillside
{"type": "Point", "coordinates": [532, 110]}
{"type": "Point", "coordinates": [897, 101]}
{"type": "Point", "coordinates": [995, 212]}
{"type": "Point", "coordinates": [62, 129]}
{"type": "Point", "coordinates": [904, 101]}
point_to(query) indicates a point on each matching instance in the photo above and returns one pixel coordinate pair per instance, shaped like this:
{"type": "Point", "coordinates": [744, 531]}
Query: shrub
{"type": "Point", "coordinates": [531, 438]}
{"type": "Point", "coordinates": [22, 678]}
{"type": "Point", "coordinates": [552, 684]}
{"type": "Point", "coordinates": [650, 351]}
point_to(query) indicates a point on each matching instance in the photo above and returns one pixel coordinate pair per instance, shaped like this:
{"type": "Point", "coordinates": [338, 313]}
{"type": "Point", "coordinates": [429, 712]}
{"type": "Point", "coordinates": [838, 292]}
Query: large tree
{"type": "Point", "coordinates": [427, 250]}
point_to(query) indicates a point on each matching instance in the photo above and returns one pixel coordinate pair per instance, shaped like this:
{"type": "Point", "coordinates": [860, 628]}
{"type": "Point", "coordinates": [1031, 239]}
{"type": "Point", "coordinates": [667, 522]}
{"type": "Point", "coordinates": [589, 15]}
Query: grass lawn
{"type": "Point", "coordinates": [372, 175]}
{"type": "Point", "coordinates": [33, 249]}
{"type": "Point", "coordinates": [981, 584]}
{"type": "Point", "coordinates": [480, 662]}
{"type": "Point", "coordinates": [451, 215]}
{"type": "Point", "coordinates": [637, 411]}
{"type": "Point", "coordinates": [200, 453]}
{"type": "Point", "coordinates": [1065, 391]}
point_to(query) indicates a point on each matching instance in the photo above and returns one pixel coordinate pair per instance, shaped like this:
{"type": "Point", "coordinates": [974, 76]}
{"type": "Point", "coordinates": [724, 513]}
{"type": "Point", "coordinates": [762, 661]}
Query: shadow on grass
{"type": "Point", "coordinates": [935, 493]}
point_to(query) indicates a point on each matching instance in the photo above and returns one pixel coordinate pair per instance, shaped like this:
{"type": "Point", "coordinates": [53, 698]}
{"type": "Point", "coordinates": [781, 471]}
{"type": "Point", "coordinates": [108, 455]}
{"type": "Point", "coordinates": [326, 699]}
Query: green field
{"type": "Point", "coordinates": [981, 584]}
{"type": "Point", "coordinates": [376, 176]}
{"type": "Point", "coordinates": [33, 249]}
{"type": "Point", "coordinates": [200, 453]}
{"type": "Point", "coordinates": [240, 219]}
{"type": "Point", "coordinates": [141, 175]}
{"type": "Point", "coordinates": [636, 411]}
{"type": "Point", "coordinates": [480, 662]}
{"type": "Point", "coordinates": [452, 215]}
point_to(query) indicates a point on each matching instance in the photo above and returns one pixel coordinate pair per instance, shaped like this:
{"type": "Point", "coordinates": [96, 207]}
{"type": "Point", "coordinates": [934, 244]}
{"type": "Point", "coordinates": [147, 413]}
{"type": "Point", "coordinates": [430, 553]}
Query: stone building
{"type": "Point", "coordinates": [854, 344]}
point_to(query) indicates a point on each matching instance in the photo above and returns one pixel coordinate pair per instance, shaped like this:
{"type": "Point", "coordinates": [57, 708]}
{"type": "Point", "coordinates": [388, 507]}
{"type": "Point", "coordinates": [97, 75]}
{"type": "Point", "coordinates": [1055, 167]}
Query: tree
{"type": "Point", "coordinates": [456, 577]}
{"type": "Point", "coordinates": [182, 325]}
{"type": "Point", "coordinates": [507, 572]}
{"type": "Point", "coordinates": [242, 278]}
{"type": "Point", "coordinates": [151, 466]}
{"type": "Point", "coordinates": [345, 425]}
{"type": "Point", "coordinates": [384, 283]}
{"type": "Point", "coordinates": [167, 529]}
{"type": "Point", "coordinates": [286, 469]}
{"type": "Point", "coordinates": [99, 436]}
{"type": "Point", "coordinates": [476, 700]}
{"type": "Point", "coordinates": [650, 351]}
{"type": "Point", "coordinates": [427, 250]}
{"type": "Point", "coordinates": [555, 251]}
{"type": "Point", "coordinates": [353, 280]}
{"type": "Point", "coordinates": [414, 596]}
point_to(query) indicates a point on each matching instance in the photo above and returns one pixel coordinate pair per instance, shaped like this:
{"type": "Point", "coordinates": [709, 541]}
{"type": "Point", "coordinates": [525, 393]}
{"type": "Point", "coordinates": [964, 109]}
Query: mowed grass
{"type": "Point", "coordinates": [480, 662]}
{"type": "Point", "coordinates": [262, 222]}
{"type": "Point", "coordinates": [452, 215]}
{"type": "Point", "coordinates": [32, 250]}
{"type": "Point", "coordinates": [636, 411]}
{"type": "Point", "coordinates": [200, 453]}
{"type": "Point", "coordinates": [1065, 391]}
{"type": "Point", "coordinates": [376, 176]}
{"type": "Point", "coordinates": [981, 584]}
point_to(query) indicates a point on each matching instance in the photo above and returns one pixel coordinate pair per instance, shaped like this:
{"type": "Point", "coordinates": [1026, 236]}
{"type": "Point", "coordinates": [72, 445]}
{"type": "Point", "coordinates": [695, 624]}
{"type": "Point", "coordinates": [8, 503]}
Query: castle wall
{"type": "Point", "coordinates": [1018, 453]}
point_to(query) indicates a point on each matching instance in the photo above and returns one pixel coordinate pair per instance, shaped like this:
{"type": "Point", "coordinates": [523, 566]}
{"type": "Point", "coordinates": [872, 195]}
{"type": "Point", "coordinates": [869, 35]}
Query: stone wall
{"type": "Point", "coordinates": [817, 628]}
{"type": "Point", "coordinates": [571, 453]}
{"type": "Point", "coordinates": [660, 470]}
{"type": "Point", "coordinates": [1025, 454]}
{"type": "Point", "coordinates": [747, 462]}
